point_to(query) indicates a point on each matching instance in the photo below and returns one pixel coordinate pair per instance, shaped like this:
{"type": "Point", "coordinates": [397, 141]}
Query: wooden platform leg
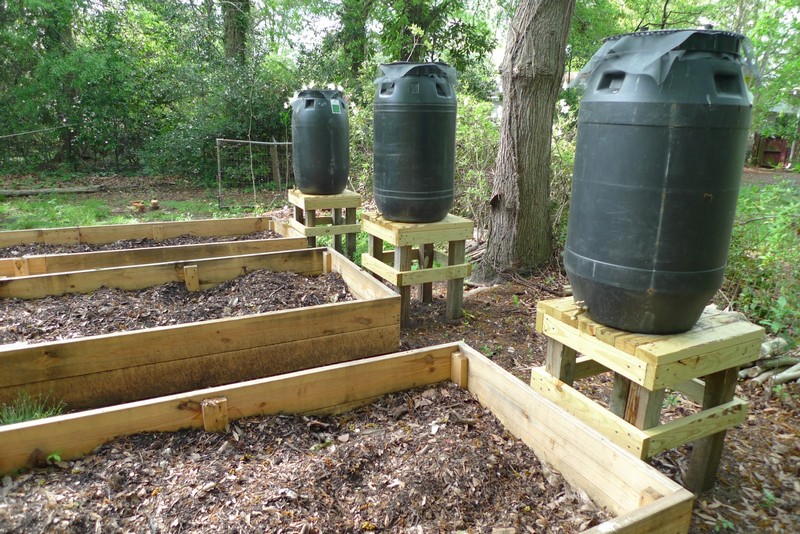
{"type": "Point", "coordinates": [706, 452]}
{"type": "Point", "coordinates": [311, 222]}
{"type": "Point", "coordinates": [402, 262]}
{"type": "Point", "coordinates": [350, 239]}
{"type": "Point", "coordinates": [426, 262]}
{"type": "Point", "coordinates": [560, 361]}
{"type": "Point", "coordinates": [298, 215]}
{"type": "Point", "coordinates": [336, 214]}
{"type": "Point", "coordinates": [375, 249]}
{"type": "Point", "coordinates": [644, 406]}
{"type": "Point", "coordinates": [455, 287]}
{"type": "Point", "coordinates": [619, 395]}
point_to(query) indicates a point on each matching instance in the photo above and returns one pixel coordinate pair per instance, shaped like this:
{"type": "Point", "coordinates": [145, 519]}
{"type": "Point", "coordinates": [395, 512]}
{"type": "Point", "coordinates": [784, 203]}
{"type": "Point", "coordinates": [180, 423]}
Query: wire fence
{"type": "Point", "coordinates": [257, 165]}
{"type": "Point", "coordinates": [22, 151]}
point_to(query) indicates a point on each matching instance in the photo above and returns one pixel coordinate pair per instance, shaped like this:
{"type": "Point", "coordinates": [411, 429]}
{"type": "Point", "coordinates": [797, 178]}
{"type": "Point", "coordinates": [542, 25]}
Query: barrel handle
{"type": "Point", "coordinates": [611, 81]}
{"type": "Point", "coordinates": [387, 89]}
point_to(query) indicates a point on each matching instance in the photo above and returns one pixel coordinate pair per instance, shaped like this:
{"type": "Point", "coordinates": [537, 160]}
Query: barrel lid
{"type": "Point", "coordinates": [327, 94]}
{"type": "Point", "coordinates": [698, 40]}
{"type": "Point", "coordinates": [652, 53]}
{"type": "Point", "coordinates": [389, 72]}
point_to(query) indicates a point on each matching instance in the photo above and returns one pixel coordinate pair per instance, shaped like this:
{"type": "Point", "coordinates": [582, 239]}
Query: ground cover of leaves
{"type": "Point", "coordinates": [422, 460]}
{"type": "Point", "coordinates": [109, 310]}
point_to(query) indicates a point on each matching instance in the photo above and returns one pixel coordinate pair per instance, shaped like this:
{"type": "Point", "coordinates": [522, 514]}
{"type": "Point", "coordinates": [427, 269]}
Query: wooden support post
{"type": "Point", "coordinates": [560, 361]}
{"type": "Point", "coordinates": [191, 278]}
{"type": "Point", "coordinates": [706, 452]}
{"type": "Point", "coordinates": [350, 239]}
{"type": "Point", "coordinates": [426, 262]}
{"type": "Point", "coordinates": [455, 287]}
{"type": "Point", "coordinates": [643, 409]}
{"type": "Point", "coordinates": [311, 222]}
{"type": "Point", "coordinates": [336, 213]}
{"type": "Point", "coordinates": [158, 232]}
{"type": "Point", "coordinates": [459, 369]}
{"type": "Point", "coordinates": [215, 414]}
{"type": "Point", "coordinates": [402, 262]}
{"type": "Point", "coordinates": [299, 216]}
{"type": "Point", "coordinates": [326, 262]}
{"type": "Point", "coordinates": [619, 395]}
{"type": "Point", "coordinates": [375, 249]}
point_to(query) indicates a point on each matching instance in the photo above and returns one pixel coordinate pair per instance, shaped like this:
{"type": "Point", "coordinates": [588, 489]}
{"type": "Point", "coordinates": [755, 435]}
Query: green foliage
{"type": "Point", "coordinates": [763, 274]}
{"type": "Point", "coordinates": [53, 210]}
{"type": "Point", "coordinates": [477, 143]}
{"type": "Point", "coordinates": [27, 408]}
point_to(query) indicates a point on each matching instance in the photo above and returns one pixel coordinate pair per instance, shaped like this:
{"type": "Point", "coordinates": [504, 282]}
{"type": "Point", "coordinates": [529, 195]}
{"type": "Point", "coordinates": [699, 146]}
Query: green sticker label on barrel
{"type": "Point", "coordinates": [336, 107]}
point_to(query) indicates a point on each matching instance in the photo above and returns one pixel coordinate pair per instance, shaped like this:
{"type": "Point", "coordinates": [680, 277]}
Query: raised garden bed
{"type": "Point", "coordinates": [108, 369]}
{"type": "Point", "coordinates": [44, 251]}
{"type": "Point", "coordinates": [638, 497]}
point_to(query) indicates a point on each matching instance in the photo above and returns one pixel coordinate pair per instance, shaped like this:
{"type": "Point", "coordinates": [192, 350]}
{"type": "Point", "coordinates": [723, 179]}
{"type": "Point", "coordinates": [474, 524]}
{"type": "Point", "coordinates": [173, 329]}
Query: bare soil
{"type": "Point", "coordinates": [383, 469]}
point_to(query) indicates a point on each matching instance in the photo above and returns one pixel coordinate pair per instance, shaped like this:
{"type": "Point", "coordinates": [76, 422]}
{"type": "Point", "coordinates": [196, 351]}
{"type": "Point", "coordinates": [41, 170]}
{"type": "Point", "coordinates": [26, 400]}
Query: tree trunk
{"type": "Point", "coordinates": [520, 233]}
{"type": "Point", "coordinates": [236, 24]}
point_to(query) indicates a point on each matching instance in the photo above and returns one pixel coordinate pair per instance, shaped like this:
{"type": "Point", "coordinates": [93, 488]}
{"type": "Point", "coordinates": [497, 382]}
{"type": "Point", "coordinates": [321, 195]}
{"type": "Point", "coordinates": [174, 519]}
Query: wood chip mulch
{"type": "Point", "coordinates": [424, 460]}
{"type": "Point", "coordinates": [32, 249]}
{"type": "Point", "coordinates": [109, 310]}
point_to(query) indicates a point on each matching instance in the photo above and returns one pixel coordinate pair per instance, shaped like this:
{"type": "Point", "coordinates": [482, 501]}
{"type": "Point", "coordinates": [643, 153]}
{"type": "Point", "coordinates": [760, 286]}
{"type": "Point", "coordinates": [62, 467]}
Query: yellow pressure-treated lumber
{"type": "Point", "coordinates": [213, 271]}
{"type": "Point", "coordinates": [642, 499]}
{"type": "Point", "coordinates": [345, 199]}
{"type": "Point", "coordinates": [610, 475]}
{"type": "Point", "coordinates": [57, 263]}
{"type": "Point", "coordinates": [215, 414]}
{"type": "Point", "coordinates": [387, 272]}
{"type": "Point", "coordinates": [710, 362]}
{"type": "Point", "coordinates": [695, 426]}
{"type": "Point", "coordinates": [615, 428]}
{"type": "Point", "coordinates": [451, 228]}
{"type": "Point", "coordinates": [316, 390]}
{"type": "Point", "coordinates": [316, 231]}
{"type": "Point", "coordinates": [116, 232]}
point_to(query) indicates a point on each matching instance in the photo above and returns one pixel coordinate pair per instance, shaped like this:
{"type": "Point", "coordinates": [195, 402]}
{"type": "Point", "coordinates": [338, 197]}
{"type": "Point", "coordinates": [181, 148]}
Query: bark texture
{"type": "Point", "coordinates": [520, 233]}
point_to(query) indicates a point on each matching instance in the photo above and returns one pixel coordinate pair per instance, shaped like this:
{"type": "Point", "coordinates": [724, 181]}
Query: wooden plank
{"type": "Point", "coordinates": [694, 342]}
{"type": "Point", "coordinates": [609, 474]}
{"type": "Point", "coordinates": [620, 390]}
{"type": "Point", "coordinates": [707, 363]}
{"type": "Point", "coordinates": [360, 283]}
{"type": "Point", "coordinates": [707, 451]}
{"type": "Point", "coordinates": [25, 364]}
{"type": "Point", "coordinates": [345, 199]}
{"type": "Point", "coordinates": [350, 239]}
{"type": "Point", "coordinates": [561, 309]}
{"type": "Point", "coordinates": [451, 228]}
{"type": "Point", "coordinates": [425, 261]}
{"type": "Point", "coordinates": [55, 263]}
{"type": "Point", "coordinates": [586, 410]}
{"type": "Point", "coordinates": [197, 370]}
{"type": "Point", "coordinates": [610, 357]}
{"type": "Point", "coordinates": [328, 389]}
{"type": "Point", "coordinates": [698, 425]}
{"type": "Point", "coordinates": [455, 284]}
{"type": "Point", "coordinates": [386, 272]}
{"type": "Point", "coordinates": [668, 515]}
{"type": "Point", "coordinates": [215, 270]}
{"type": "Point", "coordinates": [215, 414]}
{"type": "Point", "coordinates": [585, 367]}
{"type": "Point", "coordinates": [326, 230]}
{"type": "Point", "coordinates": [694, 390]}
{"type": "Point", "coordinates": [436, 274]}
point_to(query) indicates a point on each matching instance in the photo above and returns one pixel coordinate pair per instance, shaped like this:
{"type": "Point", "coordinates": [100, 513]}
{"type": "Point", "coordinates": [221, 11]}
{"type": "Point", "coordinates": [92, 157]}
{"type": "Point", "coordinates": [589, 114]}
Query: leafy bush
{"type": "Point", "coordinates": [763, 274]}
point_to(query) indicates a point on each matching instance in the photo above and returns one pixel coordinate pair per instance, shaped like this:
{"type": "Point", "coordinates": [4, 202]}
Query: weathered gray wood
{"type": "Point", "coordinates": [455, 287]}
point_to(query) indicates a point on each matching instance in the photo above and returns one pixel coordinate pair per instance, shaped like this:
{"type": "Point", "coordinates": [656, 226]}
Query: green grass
{"type": "Point", "coordinates": [763, 274]}
{"type": "Point", "coordinates": [26, 408]}
{"type": "Point", "coordinates": [69, 210]}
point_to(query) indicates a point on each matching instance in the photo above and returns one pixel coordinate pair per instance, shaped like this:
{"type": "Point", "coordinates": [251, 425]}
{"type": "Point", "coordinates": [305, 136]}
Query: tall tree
{"type": "Point", "coordinates": [236, 21]}
{"type": "Point", "coordinates": [520, 234]}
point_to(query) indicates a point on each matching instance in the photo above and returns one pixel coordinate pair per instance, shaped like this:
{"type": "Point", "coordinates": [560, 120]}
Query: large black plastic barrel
{"type": "Point", "coordinates": [662, 133]}
{"type": "Point", "coordinates": [415, 141]}
{"type": "Point", "coordinates": [320, 142]}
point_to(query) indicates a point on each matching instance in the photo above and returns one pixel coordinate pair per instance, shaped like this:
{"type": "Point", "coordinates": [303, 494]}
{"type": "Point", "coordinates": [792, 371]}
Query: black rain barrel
{"type": "Point", "coordinates": [662, 133]}
{"type": "Point", "coordinates": [320, 142]}
{"type": "Point", "coordinates": [415, 141]}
